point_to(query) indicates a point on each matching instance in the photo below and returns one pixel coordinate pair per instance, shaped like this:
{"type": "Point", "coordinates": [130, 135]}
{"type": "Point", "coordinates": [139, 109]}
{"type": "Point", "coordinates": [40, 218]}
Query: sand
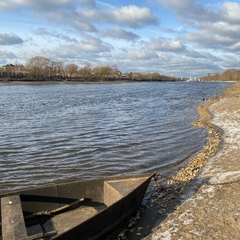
{"type": "Point", "coordinates": [207, 206]}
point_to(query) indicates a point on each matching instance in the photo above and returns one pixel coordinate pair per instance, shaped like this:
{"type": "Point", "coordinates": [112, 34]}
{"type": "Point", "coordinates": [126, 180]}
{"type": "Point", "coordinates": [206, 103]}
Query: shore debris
{"type": "Point", "coordinates": [185, 175]}
{"type": "Point", "coordinates": [169, 192]}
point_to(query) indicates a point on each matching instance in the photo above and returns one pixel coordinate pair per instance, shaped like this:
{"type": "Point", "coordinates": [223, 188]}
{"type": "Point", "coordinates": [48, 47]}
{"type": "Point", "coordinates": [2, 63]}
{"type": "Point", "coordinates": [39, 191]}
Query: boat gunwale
{"type": "Point", "coordinates": [42, 186]}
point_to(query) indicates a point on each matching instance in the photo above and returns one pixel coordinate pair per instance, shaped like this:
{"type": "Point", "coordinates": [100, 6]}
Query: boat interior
{"type": "Point", "coordinates": [48, 212]}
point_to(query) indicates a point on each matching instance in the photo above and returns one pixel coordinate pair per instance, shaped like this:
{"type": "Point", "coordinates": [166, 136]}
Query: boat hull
{"type": "Point", "coordinates": [107, 202]}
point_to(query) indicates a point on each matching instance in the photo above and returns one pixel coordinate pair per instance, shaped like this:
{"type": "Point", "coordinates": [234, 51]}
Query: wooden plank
{"type": "Point", "coordinates": [41, 235]}
{"type": "Point", "coordinates": [126, 186]}
{"type": "Point", "coordinates": [13, 226]}
{"type": "Point", "coordinates": [65, 221]}
{"type": "Point", "coordinates": [111, 195]}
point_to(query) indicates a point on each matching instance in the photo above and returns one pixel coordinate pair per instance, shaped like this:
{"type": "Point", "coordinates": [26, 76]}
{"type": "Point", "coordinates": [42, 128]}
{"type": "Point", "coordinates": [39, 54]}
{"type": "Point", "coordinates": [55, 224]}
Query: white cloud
{"type": "Point", "coordinates": [84, 19]}
{"type": "Point", "coordinates": [43, 5]}
{"type": "Point", "coordinates": [216, 35]}
{"type": "Point", "coordinates": [162, 44]}
{"type": "Point", "coordinates": [180, 5]}
{"type": "Point", "coordinates": [187, 10]}
{"type": "Point", "coordinates": [231, 10]}
{"type": "Point", "coordinates": [47, 33]}
{"type": "Point", "coordinates": [235, 47]}
{"type": "Point", "coordinates": [83, 14]}
{"type": "Point", "coordinates": [140, 54]}
{"type": "Point", "coordinates": [192, 37]}
{"type": "Point", "coordinates": [10, 39]}
{"type": "Point", "coordinates": [7, 54]}
{"type": "Point", "coordinates": [85, 48]}
{"type": "Point", "coordinates": [119, 33]}
{"type": "Point", "coordinates": [198, 54]}
{"type": "Point", "coordinates": [93, 44]}
{"type": "Point", "coordinates": [132, 16]}
{"type": "Point", "coordinates": [219, 29]}
{"type": "Point", "coordinates": [70, 19]}
{"type": "Point", "coordinates": [229, 60]}
{"type": "Point", "coordinates": [89, 3]}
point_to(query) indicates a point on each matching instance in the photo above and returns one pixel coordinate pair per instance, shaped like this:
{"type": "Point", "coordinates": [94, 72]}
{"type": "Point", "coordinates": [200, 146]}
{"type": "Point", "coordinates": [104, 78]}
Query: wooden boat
{"type": "Point", "coordinates": [76, 210]}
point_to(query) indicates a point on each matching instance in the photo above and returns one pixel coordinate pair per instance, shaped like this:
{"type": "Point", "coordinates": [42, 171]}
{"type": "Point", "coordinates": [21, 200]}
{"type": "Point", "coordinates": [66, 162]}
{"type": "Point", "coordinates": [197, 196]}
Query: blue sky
{"type": "Point", "coordinates": [172, 37]}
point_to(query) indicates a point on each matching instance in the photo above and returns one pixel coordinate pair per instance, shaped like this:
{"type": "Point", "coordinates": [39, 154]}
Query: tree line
{"type": "Point", "coordinates": [40, 68]}
{"type": "Point", "coordinates": [228, 75]}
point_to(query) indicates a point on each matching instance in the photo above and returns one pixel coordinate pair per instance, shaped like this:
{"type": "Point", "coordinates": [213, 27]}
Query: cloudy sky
{"type": "Point", "coordinates": [172, 37]}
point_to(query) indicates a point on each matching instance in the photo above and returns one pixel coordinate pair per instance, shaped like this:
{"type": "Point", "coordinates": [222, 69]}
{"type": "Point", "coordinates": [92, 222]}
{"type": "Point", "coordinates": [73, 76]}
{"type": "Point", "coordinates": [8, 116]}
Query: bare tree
{"type": "Point", "coordinates": [56, 69]}
{"type": "Point", "coordinates": [37, 68]}
{"type": "Point", "coordinates": [228, 75]}
{"type": "Point", "coordinates": [137, 76]}
{"type": "Point", "coordinates": [103, 73]}
{"type": "Point", "coordinates": [116, 72]}
{"type": "Point", "coordinates": [71, 69]}
{"type": "Point", "coordinates": [231, 75]}
{"type": "Point", "coordinates": [85, 72]}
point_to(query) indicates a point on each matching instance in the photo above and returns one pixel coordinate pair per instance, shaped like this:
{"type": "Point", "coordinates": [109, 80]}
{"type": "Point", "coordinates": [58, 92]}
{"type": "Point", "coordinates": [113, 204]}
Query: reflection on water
{"type": "Point", "coordinates": [62, 132]}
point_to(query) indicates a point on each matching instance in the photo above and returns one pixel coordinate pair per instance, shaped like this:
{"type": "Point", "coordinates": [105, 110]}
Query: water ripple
{"type": "Point", "coordinates": [58, 133]}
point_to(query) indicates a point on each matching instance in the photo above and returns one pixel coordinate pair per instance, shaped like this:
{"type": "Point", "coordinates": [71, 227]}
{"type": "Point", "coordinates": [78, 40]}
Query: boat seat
{"type": "Point", "coordinates": [13, 225]}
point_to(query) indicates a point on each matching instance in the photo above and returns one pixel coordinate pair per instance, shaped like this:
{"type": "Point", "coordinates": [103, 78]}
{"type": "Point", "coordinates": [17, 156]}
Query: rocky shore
{"type": "Point", "coordinates": [202, 200]}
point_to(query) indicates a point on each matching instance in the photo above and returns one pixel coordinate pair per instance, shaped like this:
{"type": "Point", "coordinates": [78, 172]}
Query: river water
{"type": "Point", "coordinates": [62, 132]}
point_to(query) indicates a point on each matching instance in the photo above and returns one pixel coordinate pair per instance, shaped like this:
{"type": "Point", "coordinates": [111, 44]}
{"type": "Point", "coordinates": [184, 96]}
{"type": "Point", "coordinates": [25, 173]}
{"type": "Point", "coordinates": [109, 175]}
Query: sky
{"type": "Point", "coordinates": [180, 38]}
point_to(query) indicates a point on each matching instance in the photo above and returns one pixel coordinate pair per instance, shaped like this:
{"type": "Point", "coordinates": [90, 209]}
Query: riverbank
{"type": "Point", "coordinates": [72, 81]}
{"type": "Point", "coordinates": [201, 199]}
{"type": "Point", "coordinates": [207, 207]}
{"type": "Point", "coordinates": [9, 83]}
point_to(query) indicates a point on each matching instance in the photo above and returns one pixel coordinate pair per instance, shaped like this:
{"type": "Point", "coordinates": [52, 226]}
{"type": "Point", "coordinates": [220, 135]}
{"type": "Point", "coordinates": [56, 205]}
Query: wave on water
{"type": "Point", "coordinates": [52, 133]}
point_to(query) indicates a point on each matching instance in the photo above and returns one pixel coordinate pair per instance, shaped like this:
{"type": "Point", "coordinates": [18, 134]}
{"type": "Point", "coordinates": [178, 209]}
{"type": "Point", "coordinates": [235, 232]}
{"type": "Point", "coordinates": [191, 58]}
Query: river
{"type": "Point", "coordinates": [62, 132]}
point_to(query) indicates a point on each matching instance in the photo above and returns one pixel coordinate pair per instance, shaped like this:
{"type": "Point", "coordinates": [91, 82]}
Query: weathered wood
{"type": "Point", "coordinates": [106, 203]}
{"type": "Point", "coordinates": [13, 226]}
{"type": "Point", "coordinates": [55, 211]}
{"type": "Point", "coordinates": [40, 235]}
{"type": "Point", "coordinates": [111, 195]}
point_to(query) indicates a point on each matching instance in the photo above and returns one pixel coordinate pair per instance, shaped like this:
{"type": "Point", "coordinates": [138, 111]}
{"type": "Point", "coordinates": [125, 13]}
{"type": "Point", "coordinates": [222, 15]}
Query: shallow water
{"type": "Point", "coordinates": [61, 132]}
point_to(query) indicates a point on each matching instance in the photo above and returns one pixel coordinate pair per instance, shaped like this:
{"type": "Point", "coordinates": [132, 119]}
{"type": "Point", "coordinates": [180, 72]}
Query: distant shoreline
{"type": "Point", "coordinates": [11, 83]}
{"type": "Point", "coordinates": [21, 82]}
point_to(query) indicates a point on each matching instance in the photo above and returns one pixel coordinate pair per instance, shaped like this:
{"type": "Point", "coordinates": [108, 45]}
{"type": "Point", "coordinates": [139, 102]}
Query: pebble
{"type": "Point", "coordinates": [177, 184]}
